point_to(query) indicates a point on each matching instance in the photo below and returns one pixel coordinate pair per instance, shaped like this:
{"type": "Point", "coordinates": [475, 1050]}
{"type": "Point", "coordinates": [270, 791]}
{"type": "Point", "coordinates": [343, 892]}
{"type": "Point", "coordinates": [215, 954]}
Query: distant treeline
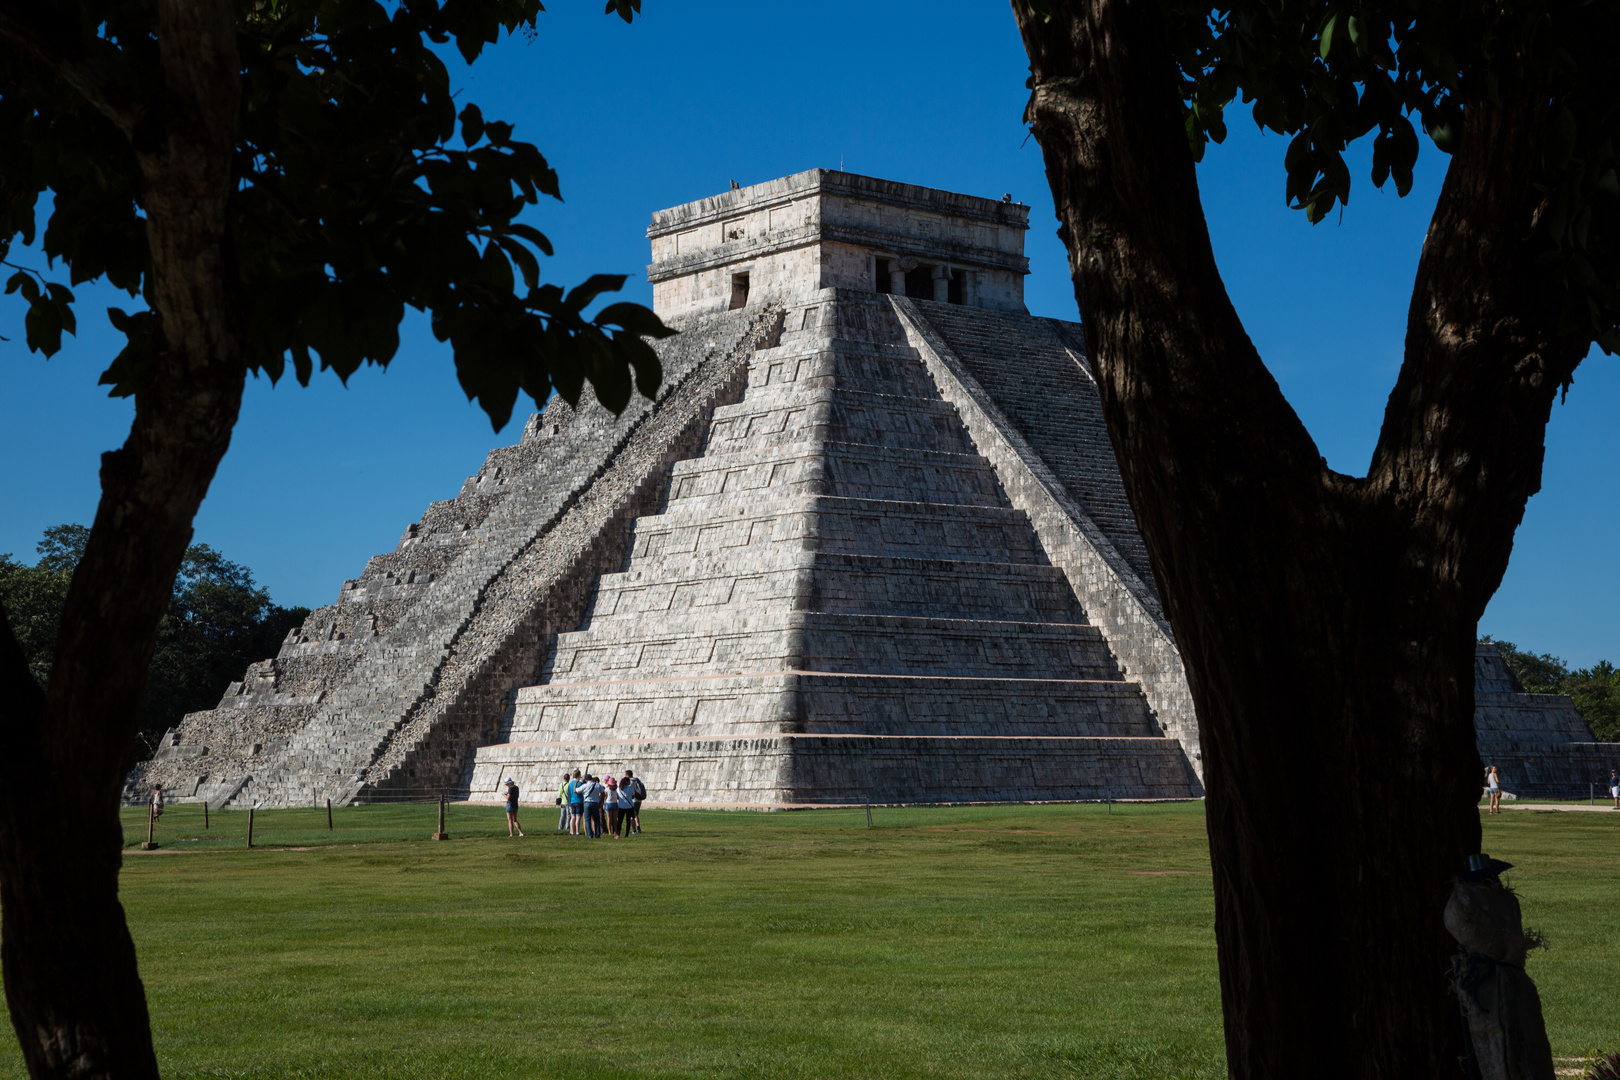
{"type": "Point", "coordinates": [218, 622]}
{"type": "Point", "coordinates": [1595, 690]}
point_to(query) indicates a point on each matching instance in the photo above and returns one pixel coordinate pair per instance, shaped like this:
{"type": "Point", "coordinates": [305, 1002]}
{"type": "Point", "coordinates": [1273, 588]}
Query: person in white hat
{"type": "Point", "coordinates": [511, 808]}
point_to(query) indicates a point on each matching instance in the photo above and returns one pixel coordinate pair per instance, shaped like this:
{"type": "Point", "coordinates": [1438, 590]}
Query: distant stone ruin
{"type": "Point", "coordinates": [1538, 742]}
{"type": "Point", "coordinates": [870, 544]}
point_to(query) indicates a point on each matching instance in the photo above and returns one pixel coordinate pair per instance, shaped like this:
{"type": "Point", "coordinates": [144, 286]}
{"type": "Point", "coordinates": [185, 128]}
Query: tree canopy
{"type": "Point", "coordinates": [1329, 72]}
{"type": "Point", "coordinates": [219, 621]}
{"type": "Point", "coordinates": [357, 189]}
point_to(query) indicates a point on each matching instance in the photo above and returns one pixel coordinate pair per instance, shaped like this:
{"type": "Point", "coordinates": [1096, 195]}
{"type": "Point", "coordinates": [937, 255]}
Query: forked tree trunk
{"type": "Point", "coordinates": [72, 984]}
{"type": "Point", "coordinates": [1327, 622]}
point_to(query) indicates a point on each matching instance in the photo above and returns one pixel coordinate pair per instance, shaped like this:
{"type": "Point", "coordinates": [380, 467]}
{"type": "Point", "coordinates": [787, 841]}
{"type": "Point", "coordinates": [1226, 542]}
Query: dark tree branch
{"type": "Point", "coordinates": [52, 35]}
{"type": "Point", "coordinates": [1462, 442]}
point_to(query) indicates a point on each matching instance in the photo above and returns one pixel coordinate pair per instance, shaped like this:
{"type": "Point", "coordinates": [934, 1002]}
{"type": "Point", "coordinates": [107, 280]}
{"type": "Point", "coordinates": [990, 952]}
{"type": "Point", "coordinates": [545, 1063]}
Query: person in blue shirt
{"type": "Point", "coordinates": [576, 804]}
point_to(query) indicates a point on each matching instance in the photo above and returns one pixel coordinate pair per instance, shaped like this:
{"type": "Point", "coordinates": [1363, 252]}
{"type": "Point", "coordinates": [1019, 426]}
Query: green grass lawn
{"type": "Point", "coordinates": [989, 942]}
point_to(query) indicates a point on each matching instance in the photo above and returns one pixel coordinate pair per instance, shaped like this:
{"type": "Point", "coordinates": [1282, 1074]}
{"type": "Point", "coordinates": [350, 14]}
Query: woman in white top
{"type": "Point", "coordinates": [1493, 787]}
{"type": "Point", "coordinates": [627, 806]}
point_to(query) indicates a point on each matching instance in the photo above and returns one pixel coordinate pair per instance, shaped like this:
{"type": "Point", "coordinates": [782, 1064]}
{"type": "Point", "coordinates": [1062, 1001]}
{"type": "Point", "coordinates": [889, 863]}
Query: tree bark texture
{"type": "Point", "coordinates": [71, 978]}
{"type": "Point", "coordinates": [1327, 622]}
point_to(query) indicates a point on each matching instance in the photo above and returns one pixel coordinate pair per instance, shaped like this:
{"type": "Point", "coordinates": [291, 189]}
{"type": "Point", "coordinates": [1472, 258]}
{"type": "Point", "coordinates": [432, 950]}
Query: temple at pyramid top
{"type": "Point", "coordinates": [785, 239]}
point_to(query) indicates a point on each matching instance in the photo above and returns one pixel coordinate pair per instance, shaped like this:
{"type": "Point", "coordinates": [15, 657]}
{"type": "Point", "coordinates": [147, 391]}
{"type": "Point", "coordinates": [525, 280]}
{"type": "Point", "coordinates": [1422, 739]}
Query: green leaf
{"type": "Point", "coordinates": [303, 364]}
{"type": "Point", "coordinates": [1326, 36]}
{"type": "Point", "coordinates": [21, 281]}
{"type": "Point", "coordinates": [643, 361]}
{"type": "Point", "coordinates": [634, 319]}
{"type": "Point", "coordinates": [494, 270]}
{"type": "Point", "coordinates": [61, 298]}
{"type": "Point", "coordinates": [531, 234]}
{"type": "Point", "coordinates": [472, 125]}
{"type": "Point", "coordinates": [527, 264]}
{"type": "Point", "coordinates": [580, 296]}
{"type": "Point", "coordinates": [131, 369]}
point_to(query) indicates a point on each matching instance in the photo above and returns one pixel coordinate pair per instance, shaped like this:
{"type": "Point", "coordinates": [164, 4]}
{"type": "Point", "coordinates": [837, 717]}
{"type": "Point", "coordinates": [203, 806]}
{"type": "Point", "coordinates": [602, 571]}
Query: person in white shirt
{"type": "Point", "coordinates": [626, 806]}
{"type": "Point", "coordinates": [593, 794]}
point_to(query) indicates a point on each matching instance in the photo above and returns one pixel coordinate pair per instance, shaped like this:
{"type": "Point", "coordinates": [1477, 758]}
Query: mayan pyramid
{"type": "Point", "coordinates": [1538, 742]}
{"type": "Point", "coordinates": [869, 544]}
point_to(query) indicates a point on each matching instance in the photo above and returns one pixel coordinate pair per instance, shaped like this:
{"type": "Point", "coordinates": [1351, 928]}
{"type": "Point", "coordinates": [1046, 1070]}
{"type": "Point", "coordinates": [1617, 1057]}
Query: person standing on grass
{"type": "Point", "coordinates": [576, 804]}
{"type": "Point", "coordinates": [596, 800]}
{"type": "Point", "coordinates": [564, 815]}
{"type": "Point", "coordinates": [638, 792]}
{"type": "Point", "coordinates": [611, 798]}
{"type": "Point", "coordinates": [1614, 787]}
{"type": "Point", "coordinates": [1493, 788]}
{"type": "Point", "coordinates": [511, 808]}
{"type": "Point", "coordinates": [592, 795]}
{"type": "Point", "coordinates": [627, 804]}
{"type": "Point", "coordinates": [157, 801]}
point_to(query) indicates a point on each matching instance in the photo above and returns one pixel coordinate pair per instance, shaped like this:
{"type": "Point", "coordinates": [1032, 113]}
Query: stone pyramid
{"type": "Point", "coordinates": [839, 603]}
{"type": "Point", "coordinates": [868, 544]}
{"type": "Point", "coordinates": [839, 600]}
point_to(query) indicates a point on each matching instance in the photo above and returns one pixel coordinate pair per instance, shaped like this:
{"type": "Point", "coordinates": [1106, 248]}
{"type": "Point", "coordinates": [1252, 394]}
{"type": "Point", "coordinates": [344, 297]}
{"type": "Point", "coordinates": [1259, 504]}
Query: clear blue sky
{"type": "Point", "coordinates": [697, 94]}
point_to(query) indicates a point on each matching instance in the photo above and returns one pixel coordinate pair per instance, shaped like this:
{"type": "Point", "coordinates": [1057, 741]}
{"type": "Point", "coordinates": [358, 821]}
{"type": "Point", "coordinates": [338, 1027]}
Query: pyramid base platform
{"type": "Point", "coordinates": [783, 771]}
{"type": "Point", "coordinates": [1553, 770]}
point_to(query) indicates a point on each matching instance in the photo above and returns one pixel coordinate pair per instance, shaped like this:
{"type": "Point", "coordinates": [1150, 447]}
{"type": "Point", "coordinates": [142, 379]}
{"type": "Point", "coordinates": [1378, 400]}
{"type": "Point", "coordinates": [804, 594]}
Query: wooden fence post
{"type": "Point", "coordinates": [441, 834]}
{"type": "Point", "coordinates": [151, 819]}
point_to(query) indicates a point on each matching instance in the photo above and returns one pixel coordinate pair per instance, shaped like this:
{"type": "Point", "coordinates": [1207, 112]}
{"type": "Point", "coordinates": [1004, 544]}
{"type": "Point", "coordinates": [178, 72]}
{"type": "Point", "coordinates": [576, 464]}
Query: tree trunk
{"type": "Point", "coordinates": [71, 980]}
{"type": "Point", "coordinates": [1327, 623]}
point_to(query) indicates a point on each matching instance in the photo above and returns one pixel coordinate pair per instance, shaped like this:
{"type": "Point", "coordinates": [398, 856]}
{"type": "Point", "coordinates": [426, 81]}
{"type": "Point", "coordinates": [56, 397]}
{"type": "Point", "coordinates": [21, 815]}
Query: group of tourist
{"type": "Point", "coordinates": [1493, 789]}
{"type": "Point", "coordinates": [589, 805]}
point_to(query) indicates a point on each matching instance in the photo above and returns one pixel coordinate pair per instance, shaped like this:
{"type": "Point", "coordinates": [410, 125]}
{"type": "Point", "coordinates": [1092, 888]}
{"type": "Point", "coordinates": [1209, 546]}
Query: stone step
{"type": "Point", "coordinates": [831, 523]}
{"type": "Point", "coordinates": [847, 470]}
{"type": "Point", "coordinates": [812, 770]}
{"type": "Point", "coordinates": [852, 584]}
{"type": "Point", "coordinates": [852, 366]}
{"type": "Point", "coordinates": [1041, 383]}
{"type": "Point", "coordinates": [831, 414]}
{"type": "Point", "coordinates": [767, 703]}
{"type": "Point", "coordinates": [819, 641]}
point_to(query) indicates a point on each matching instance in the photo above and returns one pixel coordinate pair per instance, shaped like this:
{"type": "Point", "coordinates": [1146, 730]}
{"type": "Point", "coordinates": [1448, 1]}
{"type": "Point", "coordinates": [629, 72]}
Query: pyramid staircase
{"type": "Point", "coordinates": [837, 602]}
